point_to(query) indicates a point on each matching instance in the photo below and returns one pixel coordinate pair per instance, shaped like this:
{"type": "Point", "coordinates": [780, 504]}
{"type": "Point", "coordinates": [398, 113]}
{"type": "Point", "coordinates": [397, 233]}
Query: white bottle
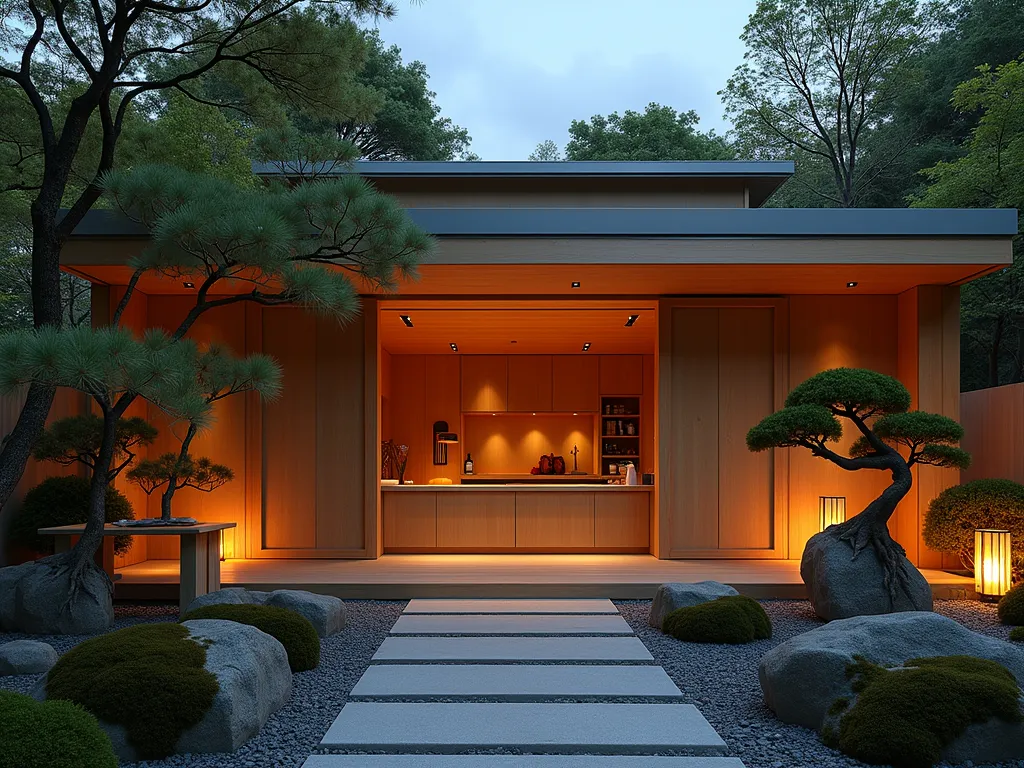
{"type": "Point", "coordinates": [630, 475]}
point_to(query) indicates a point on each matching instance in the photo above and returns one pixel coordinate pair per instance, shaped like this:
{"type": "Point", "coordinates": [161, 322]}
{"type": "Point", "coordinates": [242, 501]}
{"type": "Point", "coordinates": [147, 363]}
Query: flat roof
{"type": "Point", "coordinates": [669, 223]}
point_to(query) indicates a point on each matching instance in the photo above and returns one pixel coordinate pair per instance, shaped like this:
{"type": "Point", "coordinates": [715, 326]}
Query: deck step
{"type": "Point", "coordinates": [511, 649]}
{"type": "Point", "coordinates": [518, 761]}
{"type": "Point", "coordinates": [510, 625]}
{"type": "Point", "coordinates": [452, 728]}
{"type": "Point", "coordinates": [513, 683]}
{"type": "Point", "coordinates": [540, 606]}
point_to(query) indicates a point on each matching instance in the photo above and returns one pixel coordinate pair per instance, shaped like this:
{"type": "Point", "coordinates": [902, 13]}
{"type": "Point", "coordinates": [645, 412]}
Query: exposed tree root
{"type": "Point", "coordinates": [865, 530]}
{"type": "Point", "coordinates": [75, 568]}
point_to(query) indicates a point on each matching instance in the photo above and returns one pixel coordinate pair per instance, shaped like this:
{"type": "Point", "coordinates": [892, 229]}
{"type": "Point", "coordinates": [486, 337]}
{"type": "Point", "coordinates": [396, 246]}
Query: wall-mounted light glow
{"type": "Point", "coordinates": [454, 346]}
{"type": "Point", "coordinates": [575, 283]}
{"type": "Point", "coordinates": [222, 556]}
{"type": "Point", "coordinates": [586, 346]}
{"type": "Point", "coordinates": [991, 563]}
{"type": "Point", "coordinates": [831, 511]}
{"type": "Point", "coordinates": [632, 319]}
{"type": "Point", "coordinates": [189, 285]}
{"type": "Point", "coordinates": [442, 439]}
{"type": "Point", "coordinates": [407, 320]}
{"type": "Point", "coordinates": [852, 284]}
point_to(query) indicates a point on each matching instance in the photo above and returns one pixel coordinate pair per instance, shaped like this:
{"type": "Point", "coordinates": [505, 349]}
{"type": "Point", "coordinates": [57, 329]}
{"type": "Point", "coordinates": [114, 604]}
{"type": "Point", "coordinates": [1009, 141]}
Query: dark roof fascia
{"type": "Point", "coordinates": [670, 223]}
{"type": "Point", "coordinates": [566, 169]}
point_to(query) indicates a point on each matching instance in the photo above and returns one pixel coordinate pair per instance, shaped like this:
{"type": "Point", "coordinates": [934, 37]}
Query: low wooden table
{"type": "Point", "coordinates": [200, 550]}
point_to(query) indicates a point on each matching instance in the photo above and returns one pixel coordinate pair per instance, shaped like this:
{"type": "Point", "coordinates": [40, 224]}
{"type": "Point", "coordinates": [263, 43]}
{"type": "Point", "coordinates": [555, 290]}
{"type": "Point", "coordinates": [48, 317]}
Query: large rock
{"type": "Point", "coordinates": [840, 586]}
{"type": "Point", "coordinates": [669, 597]}
{"type": "Point", "coordinates": [327, 614]}
{"type": "Point", "coordinates": [803, 676]}
{"type": "Point", "coordinates": [33, 599]}
{"type": "Point", "coordinates": [26, 657]}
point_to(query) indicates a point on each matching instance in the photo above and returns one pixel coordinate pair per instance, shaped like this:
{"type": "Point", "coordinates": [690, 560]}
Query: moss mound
{"type": "Point", "coordinates": [1011, 607]}
{"type": "Point", "coordinates": [293, 631]}
{"type": "Point", "coordinates": [64, 501]}
{"type": "Point", "coordinates": [1017, 635]}
{"type": "Point", "coordinates": [734, 620]}
{"type": "Point", "coordinates": [50, 734]}
{"type": "Point", "coordinates": [148, 678]}
{"type": "Point", "coordinates": [905, 717]}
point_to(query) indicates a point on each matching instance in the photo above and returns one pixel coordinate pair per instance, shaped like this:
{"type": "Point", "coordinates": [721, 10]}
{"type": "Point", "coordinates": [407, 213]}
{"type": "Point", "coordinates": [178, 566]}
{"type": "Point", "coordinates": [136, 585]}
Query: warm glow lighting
{"type": "Point", "coordinates": [991, 563]}
{"type": "Point", "coordinates": [632, 319]}
{"type": "Point", "coordinates": [407, 320]}
{"type": "Point", "coordinates": [586, 346]}
{"type": "Point", "coordinates": [454, 346]}
{"type": "Point", "coordinates": [831, 511]}
{"type": "Point", "coordinates": [575, 283]}
{"type": "Point", "coordinates": [222, 547]}
{"type": "Point", "coordinates": [188, 284]}
{"type": "Point", "coordinates": [852, 284]}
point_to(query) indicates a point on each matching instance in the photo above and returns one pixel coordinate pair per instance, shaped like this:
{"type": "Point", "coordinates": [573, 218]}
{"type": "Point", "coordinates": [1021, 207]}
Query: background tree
{"type": "Point", "coordinates": [546, 151]}
{"type": "Point", "coordinates": [176, 472]}
{"type": "Point", "coordinates": [877, 406]}
{"type": "Point", "coordinates": [79, 439]}
{"type": "Point", "coordinates": [109, 58]}
{"type": "Point", "coordinates": [818, 76]}
{"type": "Point", "coordinates": [657, 133]}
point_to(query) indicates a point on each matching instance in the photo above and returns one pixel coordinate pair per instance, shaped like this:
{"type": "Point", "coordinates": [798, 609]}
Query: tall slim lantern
{"type": "Point", "coordinates": [991, 563]}
{"type": "Point", "coordinates": [831, 511]}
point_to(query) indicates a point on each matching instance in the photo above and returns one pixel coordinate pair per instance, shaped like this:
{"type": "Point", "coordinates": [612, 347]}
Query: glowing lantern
{"type": "Point", "coordinates": [991, 563]}
{"type": "Point", "coordinates": [831, 511]}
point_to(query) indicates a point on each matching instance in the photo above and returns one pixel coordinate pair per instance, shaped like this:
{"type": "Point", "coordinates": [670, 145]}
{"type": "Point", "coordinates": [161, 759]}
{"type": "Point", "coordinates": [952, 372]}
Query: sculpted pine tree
{"type": "Point", "coordinates": [891, 438]}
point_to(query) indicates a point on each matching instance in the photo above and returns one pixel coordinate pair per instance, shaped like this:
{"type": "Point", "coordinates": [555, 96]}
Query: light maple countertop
{"type": "Point", "coordinates": [521, 487]}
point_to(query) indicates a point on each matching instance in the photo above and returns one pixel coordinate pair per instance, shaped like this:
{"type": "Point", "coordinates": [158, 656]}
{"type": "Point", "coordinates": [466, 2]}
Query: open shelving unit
{"type": "Point", "coordinates": [619, 432]}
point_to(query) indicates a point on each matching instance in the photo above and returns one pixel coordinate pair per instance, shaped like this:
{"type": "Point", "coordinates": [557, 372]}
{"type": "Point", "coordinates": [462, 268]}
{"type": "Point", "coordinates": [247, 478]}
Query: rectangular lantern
{"type": "Point", "coordinates": [991, 563]}
{"type": "Point", "coordinates": [831, 511]}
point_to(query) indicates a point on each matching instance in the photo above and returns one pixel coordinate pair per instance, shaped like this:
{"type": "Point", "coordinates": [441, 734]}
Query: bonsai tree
{"type": "Point", "coordinates": [178, 471]}
{"type": "Point", "coordinates": [891, 438]}
{"type": "Point", "coordinates": [79, 438]}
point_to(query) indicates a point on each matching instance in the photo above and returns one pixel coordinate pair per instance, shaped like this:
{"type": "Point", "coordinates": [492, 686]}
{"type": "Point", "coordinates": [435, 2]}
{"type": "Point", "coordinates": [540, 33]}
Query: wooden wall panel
{"type": "Point", "coordinates": [476, 520]}
{"type": "Point", "coordinates": [649, 417]}
{"type": "Point", "coordinates": [693, 426]}
{"type": "Point", "coordinates": [441, 391]}
{"type": "Point", "coordinates": [622, 520]}
{"type": "Point", "coordinates": [992, 420]}
{"type": "Point", "coordinates": [567, 518]}
{"type": "Point", "coordinates": [830, 332]}
{"type": "Point", "coordinates": [410, 520]}
{"type": "Point", "coordinates": [529, 383]}
{"type": "Point", "coordinates": [574, 381]}
{"type": "Point", "coordinates": [484, 382]}
{"type": "Point", "coordinates": [512, 444]}
{"type": "Point", "coordinates": [622, 375]}
{"type": "Point", "coordinates": [289, 433]}
{"type": "Point", "coordinates": [746, 372]}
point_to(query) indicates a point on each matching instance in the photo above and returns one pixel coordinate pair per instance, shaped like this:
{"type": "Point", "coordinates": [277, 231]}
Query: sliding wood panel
{"type": "Point", "coordinates": [476, 519]}
{"type": "Point", "coordinates": [410, 519]}
{"type": "Point", "coordinates": [622, 519]}
{"type": "Point", "coordinates": [554, 519]}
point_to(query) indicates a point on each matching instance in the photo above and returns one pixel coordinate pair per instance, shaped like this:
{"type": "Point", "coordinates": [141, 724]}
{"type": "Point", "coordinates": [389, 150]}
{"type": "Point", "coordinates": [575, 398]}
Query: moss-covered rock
{"type": "Point", "coordinates": [50, 734]}
{"type": "Point", "coordinates": [1011, 607]}
{"type": "Point", "coordinates": [1017, 635]}
{"type": "Point", "coordinates": [150, 679]}
{"type": "Point", "coordinates": [907, 716]}
{"type": "Point", "coordinates": [732, 620]}
{"type": "Point", "coordinates": [293, 631]}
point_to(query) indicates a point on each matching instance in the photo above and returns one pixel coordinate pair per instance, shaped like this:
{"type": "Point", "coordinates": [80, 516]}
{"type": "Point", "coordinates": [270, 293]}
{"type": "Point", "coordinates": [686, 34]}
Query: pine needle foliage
{"type": "Point", "coordinates": [77, 439]}
{"type": "Point", "coordinates": [185, 471]}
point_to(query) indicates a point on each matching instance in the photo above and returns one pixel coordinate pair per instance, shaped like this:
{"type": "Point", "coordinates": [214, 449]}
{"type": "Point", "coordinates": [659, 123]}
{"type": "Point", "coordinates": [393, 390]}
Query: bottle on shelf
{"type": "Point", "coordinates": [468, 467]}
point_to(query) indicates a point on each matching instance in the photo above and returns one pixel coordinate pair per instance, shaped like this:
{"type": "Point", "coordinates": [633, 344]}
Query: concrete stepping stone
{"type": "Point", "coordinates": [518, 761]}
{"type": "Point", "coordinates": [510, 625]}
{"type": "Point", "coordinates": [519, 682]}
{"type": "Point", "coordinates": [541, 606]}
{"type": "Point", "coordinates": [511, 649]}
{"type": "Point", "coordinates": [451, 728]}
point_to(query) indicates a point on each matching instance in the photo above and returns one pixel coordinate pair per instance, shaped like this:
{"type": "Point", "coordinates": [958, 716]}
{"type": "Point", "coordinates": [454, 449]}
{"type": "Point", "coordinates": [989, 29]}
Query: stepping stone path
{"type": "Point", "coordinates": [548, 683]}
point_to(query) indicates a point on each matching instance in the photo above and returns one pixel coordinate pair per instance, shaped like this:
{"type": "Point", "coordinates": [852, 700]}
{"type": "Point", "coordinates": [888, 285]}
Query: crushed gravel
{"type": "Point", "coordinates": [721, 681]}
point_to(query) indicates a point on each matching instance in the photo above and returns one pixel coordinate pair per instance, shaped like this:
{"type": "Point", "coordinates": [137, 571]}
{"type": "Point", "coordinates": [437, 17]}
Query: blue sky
{"type": "Point", "coordinates": [516, 72]}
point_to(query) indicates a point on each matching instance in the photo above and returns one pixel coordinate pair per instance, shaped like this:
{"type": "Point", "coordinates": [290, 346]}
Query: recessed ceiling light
{"type": "Point", "coordinates": [187, 284]}
{"type": "Point", "coordinates": [454, 346]}
{"type": "Point", "coordinates": [407, 320]}
{"type": "Point", "coordinates": [852, 284]}
{"type": "Point", "coordinates": [632, 319]}
{"type": "Point", "coordinates": [586, 346]}
{"type": "Point", "coordinates": [513, 342]}
{"type": "Point", "coordinates": [575, 283]}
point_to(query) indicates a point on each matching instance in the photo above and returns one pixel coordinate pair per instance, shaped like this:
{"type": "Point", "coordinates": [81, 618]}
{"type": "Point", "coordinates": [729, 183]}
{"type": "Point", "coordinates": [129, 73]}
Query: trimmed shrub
{"type": "Point", "coordinates": [1011, 606]}
{"type": "Point", "coordinates": [1017, 635]}
{"type": "Point", "coordinates": [148, 678]}
{"type": "Point", "coordinates": [292, 630]}
{"type": "Point", "coordinates": [733, 620]}
{"type": "Point", "coordinates": [64, 501]}
{"type": "Point", "coordinates": [905, 717]}
{"type": "Point", "coordinates": [50, 734]}
{"type": "Point", "coordinates": [955, 513]}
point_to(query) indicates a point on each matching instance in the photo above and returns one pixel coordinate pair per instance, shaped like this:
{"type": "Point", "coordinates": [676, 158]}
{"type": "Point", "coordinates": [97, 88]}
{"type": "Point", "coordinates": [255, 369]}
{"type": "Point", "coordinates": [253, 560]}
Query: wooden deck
{"type": "Point", "coordinates": [396, 577]}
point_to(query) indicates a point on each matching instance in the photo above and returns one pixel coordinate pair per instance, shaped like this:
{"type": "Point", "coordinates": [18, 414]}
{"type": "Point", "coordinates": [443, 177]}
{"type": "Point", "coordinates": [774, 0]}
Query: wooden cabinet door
{"type": "Point", "coordinates": [554, 519]}
{"type": "Point", "coordinates": [622, 374]}
{"type": "Point", "coordinates": [410, 519]}
{"type": "Point", "coordinates": [469, 519]}
{"type": "Point", "coordinates": [622, 519]}
{"type": "Point", "coordinates": [529, 382]}
{"type": "Point", "coordinates": [574, 383]}
{"type": "Point", "coordinates": [484, 382]}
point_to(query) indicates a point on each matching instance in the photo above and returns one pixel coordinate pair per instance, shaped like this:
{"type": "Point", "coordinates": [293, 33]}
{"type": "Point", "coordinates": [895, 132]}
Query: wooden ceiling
{"type": "Point", "coordinates": [512, 331]}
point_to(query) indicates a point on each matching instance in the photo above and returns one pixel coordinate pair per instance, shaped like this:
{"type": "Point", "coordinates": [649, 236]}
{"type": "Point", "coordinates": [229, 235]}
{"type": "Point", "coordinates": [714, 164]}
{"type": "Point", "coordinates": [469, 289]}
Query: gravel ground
{"type": "Point", "coordinates": [293, 732]}
{"type": "Point", "coordinates": [721, 681]}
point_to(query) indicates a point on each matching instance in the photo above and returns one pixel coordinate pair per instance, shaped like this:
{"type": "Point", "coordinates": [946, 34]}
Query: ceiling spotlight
{"type": "Point", "coordinates": [454, 346]}
{"type": "Point", "coordinates": [575, 283]}
{"type": "Point", "coordinates": [513, 342]}
{"type": "Point", "coordinates": [852, 284]}
{"type": "Point", "coordinates": [632, 319]}
{"type": "Point", "coordinates": [189, 285]}
{"type": "Point", "coordinates": [586, 346]}
{"type": "Point", "coordinates": [407, 320]}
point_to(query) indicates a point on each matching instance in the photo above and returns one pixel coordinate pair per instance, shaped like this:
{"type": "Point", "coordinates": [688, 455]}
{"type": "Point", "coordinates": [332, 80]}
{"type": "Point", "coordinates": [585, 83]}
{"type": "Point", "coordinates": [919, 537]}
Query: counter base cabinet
{"type": "Point", "coordinates": [482, 520]}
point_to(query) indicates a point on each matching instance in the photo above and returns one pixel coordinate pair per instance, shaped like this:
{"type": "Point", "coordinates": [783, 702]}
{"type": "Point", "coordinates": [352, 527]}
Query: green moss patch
{"type": "Point", "coordinates": [148, 678]}
{"type": "Point", "coordinates": [1017, 635]}
{"type": "Point", "coordinates": [1011, 606]}
{"type": "Point", "coordinates": [733, 620]}
{"type": "Point", "coordinates": [50, 734]}
{"type": "Point", "coordinates": [292, 630]}
{"type": "Point", "coordinates": [905, 717]}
